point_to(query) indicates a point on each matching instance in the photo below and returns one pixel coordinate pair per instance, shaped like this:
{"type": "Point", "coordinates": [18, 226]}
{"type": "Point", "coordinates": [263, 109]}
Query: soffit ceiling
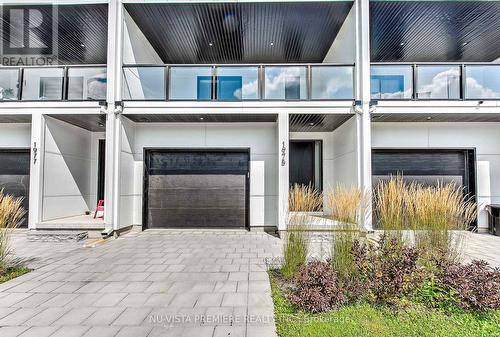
{"type": "Point", "coordinates": [201, 118]}
{"type": "Point", "coordinates": [90, 122]}
{"type": "Point", "coordinates": [317, 122]}
{"type": "Point", "coordinates": [81, 31]}
{"type": "Point", "coordinates": [436, 118]}
{"type": "Point", "coordinates": [433, 31]}
{"type": "Point", "coordinates": [258, 32]}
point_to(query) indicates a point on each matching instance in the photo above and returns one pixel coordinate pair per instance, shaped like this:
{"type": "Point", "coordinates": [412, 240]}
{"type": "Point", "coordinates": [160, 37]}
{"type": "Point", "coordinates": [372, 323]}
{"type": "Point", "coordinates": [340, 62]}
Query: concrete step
{"type": "Point", "coordinates": [57, 235]}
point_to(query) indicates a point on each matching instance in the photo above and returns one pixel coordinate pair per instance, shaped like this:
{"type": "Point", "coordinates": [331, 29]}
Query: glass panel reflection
{"type": "Point", "coordinates": [237, 83]}
{"type": "Point", "coordinates": [332, 82]}
{"type": "Point", "coordinates": [191, 83]}
{"type": "Point", "coordinates": [391, 82]}
{"type": "Point", "coordinates": [438, 82]}
{"type": "Point", "coordinates": [41, 84]}
{"type": "Point", "coordinates": [285, 83]}
{"type": "Point", "coordinates": [87, 83]}
{"type": "Point", "coordinates": [482, 81]}
{"type": "Point", "coordinates": [144, 83]}
{"type": "Point", "coordinates": [9, 84]}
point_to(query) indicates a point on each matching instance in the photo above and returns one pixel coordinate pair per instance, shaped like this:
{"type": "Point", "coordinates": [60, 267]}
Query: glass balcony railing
{"type": "Point", "coordinates": [435, 81]}
{"type": "Point", "coordinates": [239, 83]}
{"type": "Point", "coordinates": [64, 83]}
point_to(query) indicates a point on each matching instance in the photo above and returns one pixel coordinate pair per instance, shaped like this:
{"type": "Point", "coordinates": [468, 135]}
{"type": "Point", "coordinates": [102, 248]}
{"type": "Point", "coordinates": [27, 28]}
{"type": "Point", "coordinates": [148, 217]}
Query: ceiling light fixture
{"type": "Point", "coordinates": [429, 118]}
{"type": "Point", "coordinates": [311, 124]}
{"type": "Point", "coordinates": [211, 44]}
{"type": "Point", "coordinates": [201, 118]}
{"type": "Point", "coordinates": [465, 43]}
{"type": "Point", "coordinates": [402, 44]}
{"type": "Point", "coordinates": [271, 44]}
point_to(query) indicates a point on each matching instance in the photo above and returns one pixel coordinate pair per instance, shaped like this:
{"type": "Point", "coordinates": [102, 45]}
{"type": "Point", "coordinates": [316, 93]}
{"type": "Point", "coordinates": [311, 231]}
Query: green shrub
{"type": "Point", "coordinates": [295, 252]}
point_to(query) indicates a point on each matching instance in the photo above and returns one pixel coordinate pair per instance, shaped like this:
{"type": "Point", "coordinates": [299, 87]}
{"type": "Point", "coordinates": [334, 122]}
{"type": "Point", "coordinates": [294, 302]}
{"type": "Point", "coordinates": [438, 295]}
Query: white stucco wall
{"type": "Point", "coordinates": [260, 138]}
{"type": "Point", "coordinates": [484, 137]}
{"type": "Point", "coordinates": [15, 135]}
{"type": "Point", "coordinates": [70, 170]}
{"type": "Point", "coordinates": [339, 154]}
{"type": "Point", "coordinates": [136, 47]}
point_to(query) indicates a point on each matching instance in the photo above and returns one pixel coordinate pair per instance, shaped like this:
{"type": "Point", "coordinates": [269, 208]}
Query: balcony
{"type": "Point", "coordinates": [431, 81]}
{"type": "Point", "coordinates": [238, 82]}
{"type": "Point", "coordinates": [60, 83]}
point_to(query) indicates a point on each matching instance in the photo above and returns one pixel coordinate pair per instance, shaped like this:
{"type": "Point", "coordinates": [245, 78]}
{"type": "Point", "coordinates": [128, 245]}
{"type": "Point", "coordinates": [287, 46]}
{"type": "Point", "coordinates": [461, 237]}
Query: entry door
{"type": "Point", "coordinates": [15, 176]}
{"type": "Point", "coordinates": [306, 163]}
{"type": "Point", "coordinates": [196, 189]}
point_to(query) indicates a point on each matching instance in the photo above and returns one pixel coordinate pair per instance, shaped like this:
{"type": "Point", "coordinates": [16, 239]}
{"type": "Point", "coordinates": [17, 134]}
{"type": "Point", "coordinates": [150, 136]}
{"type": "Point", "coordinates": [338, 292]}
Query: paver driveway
{"type": "Point", "coordinates": [154, 283]}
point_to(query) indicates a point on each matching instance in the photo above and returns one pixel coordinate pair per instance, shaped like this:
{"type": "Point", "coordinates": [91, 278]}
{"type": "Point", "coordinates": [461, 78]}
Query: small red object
{"type": "Point", "coordinates": [100, 208]}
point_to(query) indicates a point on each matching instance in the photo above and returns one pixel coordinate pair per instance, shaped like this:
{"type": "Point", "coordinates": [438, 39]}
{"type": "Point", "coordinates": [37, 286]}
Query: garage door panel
{"type": "Point", "coordinates": [196, 189]}
{"type": "Point", "coordinates": [196, 218]}
{"type": "Point", "coordinates": [194, 181]}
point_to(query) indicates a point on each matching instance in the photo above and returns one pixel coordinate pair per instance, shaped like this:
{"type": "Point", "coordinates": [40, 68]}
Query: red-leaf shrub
{"type": "Point", "coordinates": [317, 288]}
{"type": "Point", "coordinates": [476, 285]}
{"type": "Point", "coordinates": [388, 268]}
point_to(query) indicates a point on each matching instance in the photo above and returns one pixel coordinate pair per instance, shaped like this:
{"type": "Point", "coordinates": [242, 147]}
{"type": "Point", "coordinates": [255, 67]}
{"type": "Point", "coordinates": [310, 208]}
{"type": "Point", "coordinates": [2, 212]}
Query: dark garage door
{"type": "Point", "coordinates": [15, 175]}
{"type": "Point", "coordinates": [427, 167]}
{"type": "Point", "coordinates": [196, 189]}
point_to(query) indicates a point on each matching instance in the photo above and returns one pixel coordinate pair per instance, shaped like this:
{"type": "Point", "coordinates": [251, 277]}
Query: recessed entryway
{"type": "Point", "coordinates": [196, 188]}
{"type": "Point", "coordinates": [15, 175]}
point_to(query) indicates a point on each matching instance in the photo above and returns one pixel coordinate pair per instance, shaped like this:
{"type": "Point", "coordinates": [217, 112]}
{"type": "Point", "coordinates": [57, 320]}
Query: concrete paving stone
{"type": "Point", "coordinates": [230, 268]}
{"type": "Point", "coordinates": [91, 288]}
{"type": "Point", "coordinates": [175, 287]}
{"type": "Point", "coordinates": [160, 286]}
{"type": "Point", "coordinates": [234, 300]}
{"type": "Point", "coordinates": [132, 316]}
{"type": "Point", "coordinates": [109, 300]}
{"type": "Point", "coordinates": [136, 287]}
{"type": "Point", "coordinates": [61, 300]}
{"type": "Point", "coordinates": [19, 316]}
{"type": "Point", "coordinates": [75, 316]}
{"type": "Point", "coordinates": [102, 331]}
{"type": "Point", "coordinates": [81, 300]}
{"type": "Point", "coordinates": [209, 300]}
{"type": "Point", "coordinates": [138, 268]}
{"type": "Point", "coordinates": [184, 300]}
{"type": "Point", "coordinates": [161, 331]}
{"type": "Point", "coordinates": [261, 331]}
{"type": "Point", "coordinates": [131, 277]}
{"type": "Point", "coordinates": [114, 287]}
{"type": "Point", "coordinates": [39, 331]}
{"type": "Point", "coordinates": [259, 286]}
{"type": "Point", "coordinates": [35, 300]}
{"type": "Point", "coordinates": [7, 311]}
{"type": "Point", "coordinates": [203, 286]}
{"type": "Point", "coordinates": [205, 331]}
{"type": "Point", "coordinates": [103, 316]}
{"type": "Point", "coordinates": [134, 331]}
{"type": "Point", "coordinates": [25, 287]}
{"type": "Point", "coordinates": [242, 287]}
{"type": "Point", "coordinates": [47, 287]}
{"type": "Point", "coordinates": [226, 286]}
{"type": "Point", "coordinates": [159, 300]}
{"type": "Point", "coordinates": [258, 276]}
{"type": "Point", "coordinates": [155, 277]}
{"type": "Point", "coordinates": [216, 276]}
{"type": "Point", "coordinates": [259, 299]}
{"type": "Point", "coordinates": [13, 298]}
{"type": "Point", "coordinates": [238, 276]}
{"type": "Point", "coordinates": [230, 331]}
{"type": "Point", "coordinates": [260, 315]}
{"type": "Point", "coordinates": [12, 331]}
{"type": "Point", "coordinates": [70, 331]}
{"type": "Point", "coordinates": [134, 300]}
{"type": "Point", "coordinates": [156, 268]}
{"type": "Point", "coordinates": [46, 317]}
{"type": "Point", "coordinates": [69, 287]}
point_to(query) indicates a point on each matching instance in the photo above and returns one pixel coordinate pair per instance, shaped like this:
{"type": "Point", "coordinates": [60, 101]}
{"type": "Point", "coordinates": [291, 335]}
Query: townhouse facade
{"type": "Point", "coordinates": [182, 114]}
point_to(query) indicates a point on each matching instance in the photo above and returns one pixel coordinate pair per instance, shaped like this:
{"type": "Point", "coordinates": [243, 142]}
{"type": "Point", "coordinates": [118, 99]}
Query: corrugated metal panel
{"type": "Point", "coordinates": [427, 31]}
{"type": "Point", "coordinates": [81, 34]}
{"type": "Point", "coordinates": [201, 118]}
{"type": "Point", "coordinates": [90, 122]}
{"type": "Point", "coordinates": [317, 122]}
{"type": "Point", "coordinates": [447, 117]}
{"type": "Point", "coordinates": [241, 32]}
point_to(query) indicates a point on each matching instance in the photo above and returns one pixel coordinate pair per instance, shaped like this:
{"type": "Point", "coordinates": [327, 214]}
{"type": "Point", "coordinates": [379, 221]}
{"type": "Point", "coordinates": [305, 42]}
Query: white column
{"type": "Point", "coordinates": [36, 169]}
{"type": "Point", "coordinates": [283, 168]}
{"type": "Point", "coordinates": [113, 121]}
{"type": "Point", "coordinates": [363, 117]}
